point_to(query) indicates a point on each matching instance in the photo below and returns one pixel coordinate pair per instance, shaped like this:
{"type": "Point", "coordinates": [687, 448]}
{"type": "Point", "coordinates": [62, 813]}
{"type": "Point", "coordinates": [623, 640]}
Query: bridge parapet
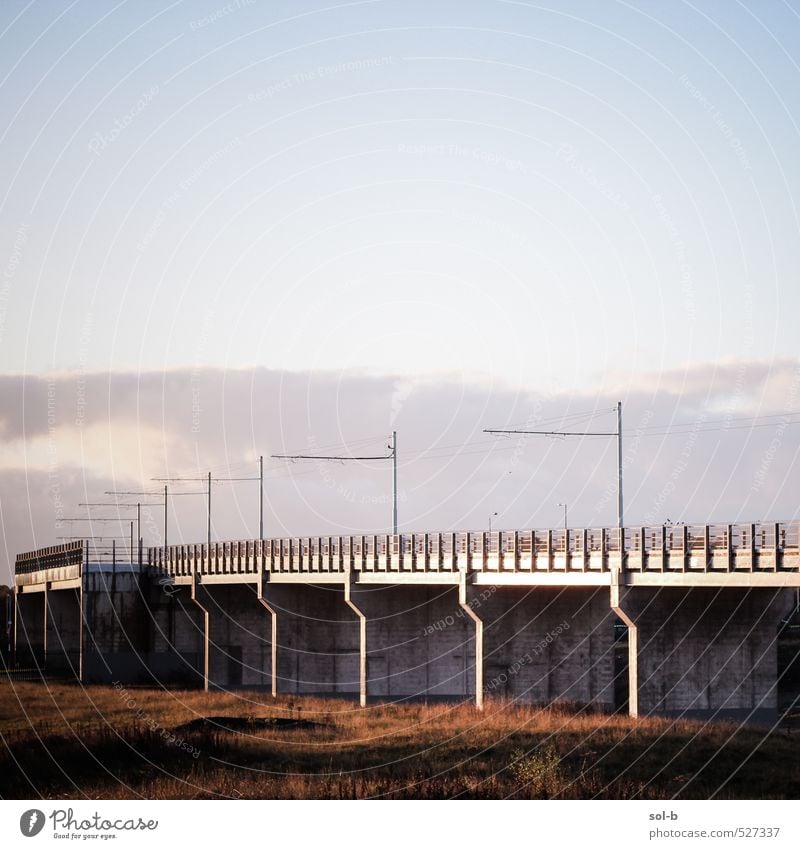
{"type": "Point", "coordinates": [57, 562]}
{"type": "Point", "coordinates": [68, 554]}
{"type": "Point", "coordinates": [762, 548]}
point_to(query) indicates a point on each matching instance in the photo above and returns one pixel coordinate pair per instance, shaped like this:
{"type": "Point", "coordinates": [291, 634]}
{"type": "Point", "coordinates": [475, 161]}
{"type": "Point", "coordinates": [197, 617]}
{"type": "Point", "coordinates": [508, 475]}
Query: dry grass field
{"type": "Point", "coordinates": [63, 741]}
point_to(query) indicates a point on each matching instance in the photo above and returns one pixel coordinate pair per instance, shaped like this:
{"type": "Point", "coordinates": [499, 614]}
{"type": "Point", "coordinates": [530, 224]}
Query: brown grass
{"type": "Point", "coordinates": [64, 741]}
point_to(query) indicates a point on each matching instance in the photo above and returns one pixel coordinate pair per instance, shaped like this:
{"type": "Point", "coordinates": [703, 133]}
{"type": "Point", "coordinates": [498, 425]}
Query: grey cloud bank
{"type": "Point", "coordinates": [134, 427]}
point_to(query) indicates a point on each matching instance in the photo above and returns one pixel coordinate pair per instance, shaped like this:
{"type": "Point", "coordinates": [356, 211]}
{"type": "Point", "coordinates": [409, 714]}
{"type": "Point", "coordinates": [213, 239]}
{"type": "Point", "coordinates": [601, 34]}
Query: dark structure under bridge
{"type": "Point", "coordinates": [530, 615]}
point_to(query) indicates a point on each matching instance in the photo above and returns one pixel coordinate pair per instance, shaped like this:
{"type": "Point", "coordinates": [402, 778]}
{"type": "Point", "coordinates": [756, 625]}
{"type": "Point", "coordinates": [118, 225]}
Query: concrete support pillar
{"type": "Point", "coordinates": [44, 626]}
{"type": "Point", "coordinates": [466, 599]}
{"type": "Point", "coordinates": [362, 640]}
{"type": "Point", "coordinates": [273, 638]}
{"type": "Point", "coordinates": [81, 632]}
{"type": "Point", "coordinates": [16, 620]}
{"type": "Point", "coordinates": [626, 614]}
{"type": "Point", "coordinates": [206, 634]}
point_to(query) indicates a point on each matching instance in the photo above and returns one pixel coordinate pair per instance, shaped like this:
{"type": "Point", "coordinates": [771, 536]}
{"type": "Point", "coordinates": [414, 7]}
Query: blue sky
{"type": "Point", "coordinates": [400, 187]}
{"type": "Point", "coordinates": [584, 203]}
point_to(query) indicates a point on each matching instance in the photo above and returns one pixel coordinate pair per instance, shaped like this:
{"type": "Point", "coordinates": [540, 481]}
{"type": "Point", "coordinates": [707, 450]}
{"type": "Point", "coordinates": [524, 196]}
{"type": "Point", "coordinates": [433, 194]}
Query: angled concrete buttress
{"type": "Point", "coordinates": [626, 614]}
{"type": "Point", "coordinates": [362, 635]}
{"type": "Point", "coordinates": [206, 634]}
{"type": "Point", "coordinates": [273, 635]}
{"type": "Point", "coordinates": [467, 601]}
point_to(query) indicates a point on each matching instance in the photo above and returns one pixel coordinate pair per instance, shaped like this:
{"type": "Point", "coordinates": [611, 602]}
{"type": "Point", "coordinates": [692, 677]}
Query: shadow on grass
{"type": "Point", "coordinates": [337, 751]}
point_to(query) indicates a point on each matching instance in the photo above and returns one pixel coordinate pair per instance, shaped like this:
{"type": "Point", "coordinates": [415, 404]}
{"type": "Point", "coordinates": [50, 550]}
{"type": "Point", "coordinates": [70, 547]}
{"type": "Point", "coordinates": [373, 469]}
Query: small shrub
{"type": "Point", "coordinates": [540, 772]}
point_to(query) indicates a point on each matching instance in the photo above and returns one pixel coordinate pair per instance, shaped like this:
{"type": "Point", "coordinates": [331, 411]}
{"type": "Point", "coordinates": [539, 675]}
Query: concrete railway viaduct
{"type": "Point", "coordinates": [530, 615]}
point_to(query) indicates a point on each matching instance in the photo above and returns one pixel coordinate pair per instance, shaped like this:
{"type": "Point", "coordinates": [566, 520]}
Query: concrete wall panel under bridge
{"type": "Point", "coordinates": [175, 635]}
{"type": "Point", "coordinates": [318, 638]}
{"type": "Point", "coordinates": [116, 625]}
{"type": "Point", "coordinates": [419, 641]}
{"type": "Point", "coordinates": [63, 631]}
{"type": "Point", "coordinates": [239, 636]}
{"type": "Point", "coordinates": [30, 617]}
{"type": "Point", "coordinates": [547, 644]}
{"type": "Point", "coordinates": [708, 652]}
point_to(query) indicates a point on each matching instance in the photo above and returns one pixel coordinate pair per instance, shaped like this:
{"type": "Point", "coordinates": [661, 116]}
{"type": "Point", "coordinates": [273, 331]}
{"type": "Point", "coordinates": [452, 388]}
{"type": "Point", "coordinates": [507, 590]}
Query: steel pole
{"type": "Point", "coordinates": [208, 533]}
{"type": "Point", "coordinates": [619, 483]}
{"type": "Point", "coordinates": [394, 481]}
{"type": "Point", "coordinates": [619, 463]}
{"type": "Point", "coordinates": [261, 497]}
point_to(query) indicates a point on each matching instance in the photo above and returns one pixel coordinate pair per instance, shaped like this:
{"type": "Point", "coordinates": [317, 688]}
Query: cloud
{"type": "Point", "coordinates": [67, 438]}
